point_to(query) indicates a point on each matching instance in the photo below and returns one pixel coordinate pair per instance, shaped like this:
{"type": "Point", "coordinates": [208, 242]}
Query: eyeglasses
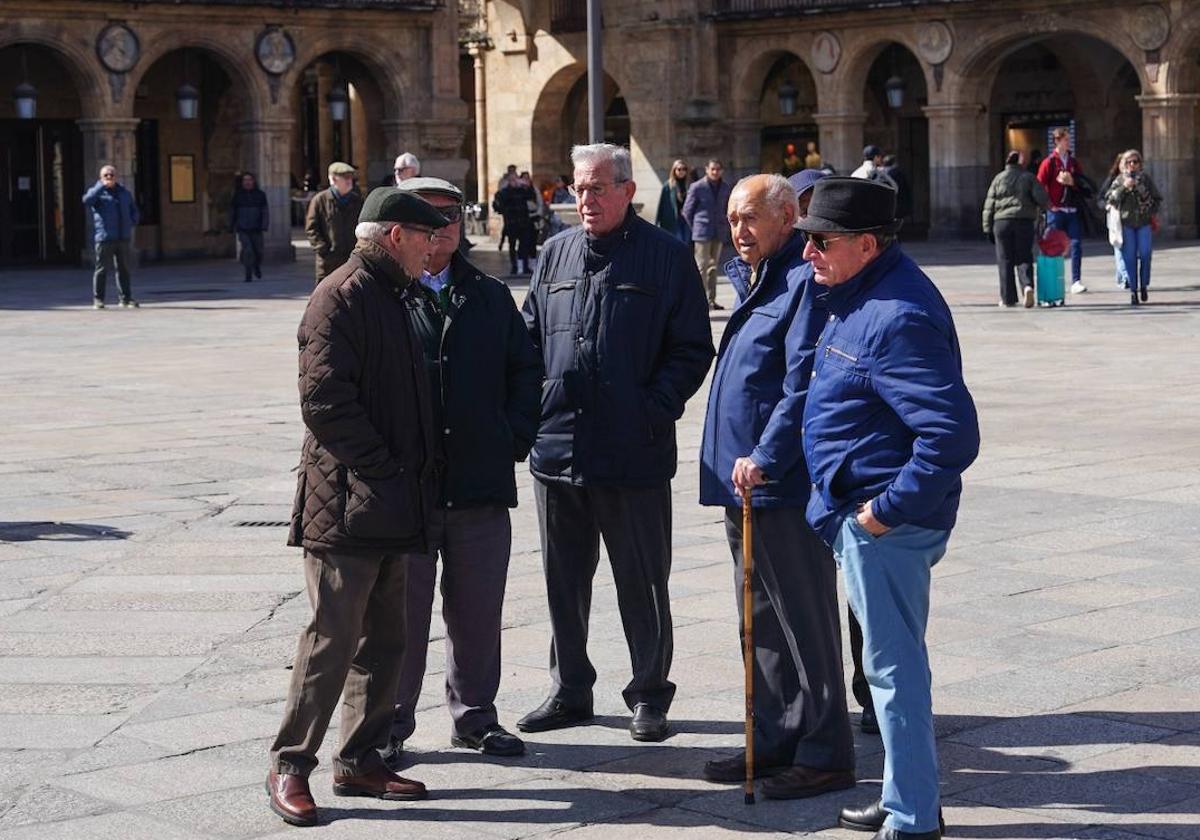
{"type": "Point", "coordinates": [595, 190]}
{"type": "Point", "coordinates": [452, 213]}
{"type": "Point", "coordinates": [821, 242]}
{"type": "Point", "coordinates": [429, 233]}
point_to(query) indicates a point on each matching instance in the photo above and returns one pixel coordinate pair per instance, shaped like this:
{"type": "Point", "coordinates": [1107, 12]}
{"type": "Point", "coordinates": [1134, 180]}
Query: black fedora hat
{"type": "Point", "coordinates": [851, 205]}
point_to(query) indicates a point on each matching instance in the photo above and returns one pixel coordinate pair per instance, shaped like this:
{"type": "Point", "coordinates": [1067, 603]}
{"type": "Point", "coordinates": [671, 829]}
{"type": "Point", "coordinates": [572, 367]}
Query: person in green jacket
{"type": "Point", "coordinates": [1136, 197]}
{"type": "Point", "coordinates": [1009, 212]}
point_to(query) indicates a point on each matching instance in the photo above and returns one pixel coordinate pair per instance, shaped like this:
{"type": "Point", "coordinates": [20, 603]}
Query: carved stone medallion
{"type": "Point", "coordinates": [275, 51]}
{"type": "Point", "coordinates": [118, 48]}
{"type": "Point", "coordinates": [935, 42]}
{"type": "Point", "coordinates": [826, 52]}
{"type": "Point", "coordinates": [1150, 26]}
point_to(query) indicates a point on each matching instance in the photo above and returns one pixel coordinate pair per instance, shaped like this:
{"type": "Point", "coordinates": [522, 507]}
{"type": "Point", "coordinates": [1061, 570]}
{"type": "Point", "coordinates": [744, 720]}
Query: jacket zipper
{"type": "Point", "coordinates": [830, 349]}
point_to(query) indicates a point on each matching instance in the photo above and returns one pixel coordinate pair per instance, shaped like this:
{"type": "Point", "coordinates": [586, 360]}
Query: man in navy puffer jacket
{"type": "Point", "coordinates": [889, 428]}
{"type": "Point", "coordinates": [751, 437]}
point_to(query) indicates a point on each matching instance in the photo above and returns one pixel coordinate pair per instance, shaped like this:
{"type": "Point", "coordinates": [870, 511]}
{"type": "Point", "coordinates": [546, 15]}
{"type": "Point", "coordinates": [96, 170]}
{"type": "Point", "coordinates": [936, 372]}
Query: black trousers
{"type": "Point", "coordinates": [112, 255]}
{"type": "Point", "coordinates": [1014, 252]}
{"type": "Point", "coordinates": [799, 690]}
{"type": "Point", "coordinates": [858, 680]}
{"type": "Point", "coordinates": [636, 526]}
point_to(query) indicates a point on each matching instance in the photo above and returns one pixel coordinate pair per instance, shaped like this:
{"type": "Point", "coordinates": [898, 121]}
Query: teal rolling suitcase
{"type": "Point", "coordinates": [1050, 271]}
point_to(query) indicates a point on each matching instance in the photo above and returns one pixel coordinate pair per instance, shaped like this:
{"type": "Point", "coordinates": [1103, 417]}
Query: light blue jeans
{"type": "Point", "coordinates": [1122, 277]}
{"type": "Point", "coordinates": [887, 584]}
{"type": "Point", "coordinates": [1135, 253]}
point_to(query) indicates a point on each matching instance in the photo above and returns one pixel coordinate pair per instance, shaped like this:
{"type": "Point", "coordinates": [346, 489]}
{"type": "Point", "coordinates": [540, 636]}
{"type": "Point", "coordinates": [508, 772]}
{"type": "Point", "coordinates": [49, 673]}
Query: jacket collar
{"type": "Point", "coordinates": [738, 270]}
{"type": "Point", "coordinates": [383, 264]}
{"type": "Point", "coordinates": [841, 298]}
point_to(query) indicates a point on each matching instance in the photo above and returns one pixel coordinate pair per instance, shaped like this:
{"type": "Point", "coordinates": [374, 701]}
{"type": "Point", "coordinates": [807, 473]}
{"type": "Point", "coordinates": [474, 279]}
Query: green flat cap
{"type": "Point", "coordinates": [388, 204]}
{"type": "Point", "coordinates": [436, 186]}
{"type": "Point", "coordinates": [340, 168]}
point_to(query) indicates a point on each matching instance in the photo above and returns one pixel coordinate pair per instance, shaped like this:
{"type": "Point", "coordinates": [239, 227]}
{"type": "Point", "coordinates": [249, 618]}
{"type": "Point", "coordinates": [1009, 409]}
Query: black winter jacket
{"type": "Point", "coordinates": [368, 468]}
{"type": "Point", "coordinates": [487, 379]}
{"type": "Point", "coordinates": [622, 327]}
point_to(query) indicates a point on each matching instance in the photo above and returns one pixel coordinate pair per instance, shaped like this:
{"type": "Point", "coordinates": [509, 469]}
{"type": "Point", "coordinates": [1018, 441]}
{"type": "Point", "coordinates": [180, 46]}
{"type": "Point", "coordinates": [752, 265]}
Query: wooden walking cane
{"type": "Point", "coordinates": [748, 638]}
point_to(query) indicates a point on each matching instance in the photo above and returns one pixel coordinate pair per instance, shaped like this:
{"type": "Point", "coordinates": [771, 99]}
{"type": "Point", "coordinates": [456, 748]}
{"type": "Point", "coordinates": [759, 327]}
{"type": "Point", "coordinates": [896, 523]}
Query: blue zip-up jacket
{"type": "Point", "coordinates": [114, 212]}
{"type": "Point", "coordinates": [888, 417]}
{"type": "Point", "coordinates": [756, 401]}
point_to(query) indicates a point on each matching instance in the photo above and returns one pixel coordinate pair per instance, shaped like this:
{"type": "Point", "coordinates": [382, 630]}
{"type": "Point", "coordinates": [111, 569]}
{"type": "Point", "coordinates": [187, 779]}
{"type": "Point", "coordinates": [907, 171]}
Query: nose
{"type": "Point", "coordinates": [810, 251]}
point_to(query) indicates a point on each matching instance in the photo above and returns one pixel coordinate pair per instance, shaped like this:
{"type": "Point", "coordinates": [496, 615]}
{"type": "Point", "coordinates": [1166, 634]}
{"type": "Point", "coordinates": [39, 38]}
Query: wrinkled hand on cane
{"type": "Point", "coordinates": [748, 636]}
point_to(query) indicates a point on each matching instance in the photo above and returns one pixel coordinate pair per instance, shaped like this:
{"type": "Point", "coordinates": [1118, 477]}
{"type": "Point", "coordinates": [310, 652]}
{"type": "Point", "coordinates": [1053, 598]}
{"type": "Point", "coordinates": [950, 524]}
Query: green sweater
{"type": "Point", "coordinates": [1014, 194]}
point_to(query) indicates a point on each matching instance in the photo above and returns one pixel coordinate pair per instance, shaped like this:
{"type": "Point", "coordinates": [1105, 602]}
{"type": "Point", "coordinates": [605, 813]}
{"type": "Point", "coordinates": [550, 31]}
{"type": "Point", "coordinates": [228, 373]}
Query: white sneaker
{"type": "Point", "coordinates": [1078, 288]}
{"type": "Point", "coordinates": [1028, 294]}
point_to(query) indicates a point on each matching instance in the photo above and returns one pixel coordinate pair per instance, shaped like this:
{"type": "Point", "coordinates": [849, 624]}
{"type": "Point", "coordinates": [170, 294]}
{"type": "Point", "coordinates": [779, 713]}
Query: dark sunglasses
{"type": "Point", "coordinates": [821, 241]}
{"type": "Point", "coordinates": [452, 214]}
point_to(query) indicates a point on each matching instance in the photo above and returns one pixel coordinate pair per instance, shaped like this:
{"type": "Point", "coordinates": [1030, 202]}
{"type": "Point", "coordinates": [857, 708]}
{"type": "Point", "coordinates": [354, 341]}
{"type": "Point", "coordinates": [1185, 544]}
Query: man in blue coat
{"type": "Point", "coordinates": [755, 407]}
{"type": "Point", "coordinates": [889, 428]}
{"type": "Point", "coordinates": [616, 310]}
{"type": "Point", "coordinates": [114, 216]}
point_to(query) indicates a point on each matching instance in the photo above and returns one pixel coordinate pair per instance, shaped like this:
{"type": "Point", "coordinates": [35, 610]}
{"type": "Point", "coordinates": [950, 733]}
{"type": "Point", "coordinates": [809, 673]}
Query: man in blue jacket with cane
{"type": "Point", "coordinates": [802, 739]}
{"type": "Point", "coordinates": [889, 428]}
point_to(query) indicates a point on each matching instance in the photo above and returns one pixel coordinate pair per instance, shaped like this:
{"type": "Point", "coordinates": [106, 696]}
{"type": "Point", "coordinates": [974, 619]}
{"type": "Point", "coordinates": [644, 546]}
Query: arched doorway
{"type": "Point", "coordinates": [894, 97]}
{"type": "Point", "coordinates": [186, 161]}
{"type": "Point", "coordinates": [786, 105]}
{"type": "Point", "coordinates": [1073, 81]}
{"type": "Point", "coordinates": [41, 167]}
{"type": "Point", "coordinates": [560, 121]}
{"type": "Point", "coordinates": [325, 132]}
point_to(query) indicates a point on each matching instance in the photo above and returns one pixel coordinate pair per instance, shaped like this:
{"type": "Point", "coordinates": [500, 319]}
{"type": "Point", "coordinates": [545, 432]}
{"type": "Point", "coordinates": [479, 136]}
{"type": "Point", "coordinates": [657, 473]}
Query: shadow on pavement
{"type": "Point", "coordinates": [58, 531]}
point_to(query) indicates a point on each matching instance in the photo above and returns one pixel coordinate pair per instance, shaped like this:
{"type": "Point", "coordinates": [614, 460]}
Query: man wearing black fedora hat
{"type": "Point", "coordinates": [365, 489]}
{"type": "Point", "coordinates": [889, 428]}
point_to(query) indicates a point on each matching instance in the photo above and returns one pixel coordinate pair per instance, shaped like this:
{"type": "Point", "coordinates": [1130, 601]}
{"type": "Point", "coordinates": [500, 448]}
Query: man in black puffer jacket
{"type": "Point", "coordinates": [366, 486]}
{"type": "Point", "coordinates": [617, 310]}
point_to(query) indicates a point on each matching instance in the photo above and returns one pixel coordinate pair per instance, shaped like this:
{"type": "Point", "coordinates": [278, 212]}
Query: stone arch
{"type": "Point", "coordinates": [95, 96]}
{"type": "Point", "coordinates": [233, 57]}
{"type": "Point", "coordinates": [850, 77]}
{"type": "Point", "coordinates": [395, 85]}
{"type": "Point", "coordinates": [1179, 55]}
{"type": "Point", "coordinates": [548, 145]}
{"type": "Point", "coordinates": [752, 64]}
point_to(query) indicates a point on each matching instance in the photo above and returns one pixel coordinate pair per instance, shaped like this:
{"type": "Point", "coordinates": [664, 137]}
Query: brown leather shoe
{"type": "Point", "coordinates": [800, 782]}
{"type": "Point", "coordinates": [380, 784]}
{"type": "Point", "coordinates": [291, 799]}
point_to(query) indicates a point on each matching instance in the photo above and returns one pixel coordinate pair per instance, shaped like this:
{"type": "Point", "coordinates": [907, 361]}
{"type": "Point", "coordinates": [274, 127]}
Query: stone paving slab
{"type": "Point", "coordinates": [145, 634]}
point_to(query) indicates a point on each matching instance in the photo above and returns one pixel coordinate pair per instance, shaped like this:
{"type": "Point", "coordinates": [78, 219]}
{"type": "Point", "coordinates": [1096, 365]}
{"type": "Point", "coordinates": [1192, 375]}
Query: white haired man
{"type": "Point", "coordinates": [406, 166]}
{"type": "Point", "coordinates": [617, 311]}
{"type": "Point", "coordinates": [365, 489]}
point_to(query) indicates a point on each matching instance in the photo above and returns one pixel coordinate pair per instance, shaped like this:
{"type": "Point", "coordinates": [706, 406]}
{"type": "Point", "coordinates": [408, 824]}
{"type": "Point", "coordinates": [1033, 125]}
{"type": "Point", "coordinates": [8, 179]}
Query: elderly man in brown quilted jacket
{"type": "Point", "coordinates": [366, 484]}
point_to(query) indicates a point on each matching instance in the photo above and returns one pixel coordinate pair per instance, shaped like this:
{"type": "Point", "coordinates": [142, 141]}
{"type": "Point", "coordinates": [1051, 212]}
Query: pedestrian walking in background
{"type": "Point", "coordinates": [802, 738]}
{"type": "Point", "coordinates": [486, 386]}
{"type": "Point", "coordinates": [871, 169]}
{"type": "Point", "coordinates": [332, 217]}
{"type": "Point", "coordinates": [1137, 200]}
{"type": "Point", "coordinates": [365, 490]}
{"type": "Point", "coordinates": [812, 158]}
{"type": "Point", "coordinates": [704, 211]}
{"type": "Point", "coordinates": [114, 216]}
{"type": "Point", "coordinates": [669, 216]}
{"type": "Point", "coordinates": [1113, 220]}
{"type": "Point", "coordinates": [1060, 175]}
{"type": "Point", "coordinates": [889, 428]}
{"type": "Point", "coordinates": [249, 217]}
{"type": "Point", "coordinates": [406, 166]}
{"type": "Point", "coordinates": [616, 311]}
{"type": "Point", "coordinates": [904, 197]}
{"type": "Point", "coordinates": [1010, 214]}
{"type": "Point", "coordinates": [562, 191]}
{"type": "Point", "coordinates": [513, 202]}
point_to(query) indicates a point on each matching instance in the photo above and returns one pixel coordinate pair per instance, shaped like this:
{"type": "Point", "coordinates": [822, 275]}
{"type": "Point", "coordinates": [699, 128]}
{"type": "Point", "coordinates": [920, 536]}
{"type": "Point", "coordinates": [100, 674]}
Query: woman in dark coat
{"type": "Point", "coordinates": [670, 202]}
{"type": "Point", "coordinates": [249, 217]}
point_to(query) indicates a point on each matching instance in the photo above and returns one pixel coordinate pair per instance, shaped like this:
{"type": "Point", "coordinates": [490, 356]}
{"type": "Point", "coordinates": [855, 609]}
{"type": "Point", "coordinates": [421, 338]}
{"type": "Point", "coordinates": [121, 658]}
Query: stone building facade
{"type": "Point", "coordinates": [741, 79]}
{"type": "Point", "coordinates": [108, 77]}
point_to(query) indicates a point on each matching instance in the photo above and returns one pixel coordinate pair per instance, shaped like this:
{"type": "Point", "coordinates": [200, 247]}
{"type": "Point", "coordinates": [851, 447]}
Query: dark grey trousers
{"type": "Point", "coordinates": [636, 526]}
{"type": "Point", "coordinates": [351, 642]}
{"type": "Point", "coordinates": [799, 691]}
{"type": "Point", "coordinates": [112, 255]}
{"type": "Point", "coordinates": [475, 545]}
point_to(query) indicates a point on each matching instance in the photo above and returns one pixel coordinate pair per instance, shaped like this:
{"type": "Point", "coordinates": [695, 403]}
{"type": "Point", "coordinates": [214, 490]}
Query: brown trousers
{"type": "Point", "coordinates": [351, 643]}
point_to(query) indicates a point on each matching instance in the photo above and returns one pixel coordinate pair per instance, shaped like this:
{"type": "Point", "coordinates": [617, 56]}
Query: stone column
{"type": "Point", "coordinates": [841, 139]}
{"type": "Point", "coordinates": [266, 145]}
{"type": "Point", "coordinates": [482, 192]}
{"type": "Point", "coordinates": [107, 140]}
{"type": "Point", "coordinates": [958, 169]}
{"type": "Point", "coordinates": [1168, 143]}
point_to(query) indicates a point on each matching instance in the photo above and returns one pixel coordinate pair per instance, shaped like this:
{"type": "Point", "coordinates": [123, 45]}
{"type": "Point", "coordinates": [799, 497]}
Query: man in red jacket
{"type": "Point", "coordinates": [1059, 174]}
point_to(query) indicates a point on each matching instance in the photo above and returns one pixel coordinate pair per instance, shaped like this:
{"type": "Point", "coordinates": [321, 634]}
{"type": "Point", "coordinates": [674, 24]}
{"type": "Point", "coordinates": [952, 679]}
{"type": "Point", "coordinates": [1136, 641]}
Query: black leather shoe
{"type": "Point", "coordinates": [649, 723]}
{"type": "Point", "coordinates": [799, 782]}
{"type": "Point", "coordinates": [871, 817]}
{"type": "Point", "coordinates": [1145, 294]}
{"type": "Point", "coordinates": [733, 769]}
{"type": "Point", "coordinates": [491, 740]}
{"type": "Point", "coordinates": [895, 834]}
{"type": "Point", "coordinates": [868, 723]}
{"type": "Point", "coordinates": [1133, 298]}
{"type": "Point", "coordinates": [553, 714]}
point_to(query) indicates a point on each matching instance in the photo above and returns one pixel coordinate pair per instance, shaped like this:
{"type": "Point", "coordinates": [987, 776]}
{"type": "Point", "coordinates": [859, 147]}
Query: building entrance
{"type": "Point", "coordinates": [41, 189]}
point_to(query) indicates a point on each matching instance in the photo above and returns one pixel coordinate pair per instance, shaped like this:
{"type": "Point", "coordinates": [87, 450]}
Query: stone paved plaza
{"type": "Point", "coordinates": [149, 608]}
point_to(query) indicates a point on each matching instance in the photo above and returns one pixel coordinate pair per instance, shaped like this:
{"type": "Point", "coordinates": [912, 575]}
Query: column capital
{"type": "Point", "coordinates": [830, 118]}
{"type": "Point", "coordinates": [953, 110]}
{"type": "Point", "coordinates": [276, 124]}
{"type": "Point", "coordinates": [107, 123]}
{"type": "Point", "coordinates": [1167, 100]}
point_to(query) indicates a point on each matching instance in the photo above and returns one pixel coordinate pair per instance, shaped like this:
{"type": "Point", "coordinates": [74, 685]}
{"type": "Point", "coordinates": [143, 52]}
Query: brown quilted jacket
{"type": "Point", "coordinates": [367, 474]}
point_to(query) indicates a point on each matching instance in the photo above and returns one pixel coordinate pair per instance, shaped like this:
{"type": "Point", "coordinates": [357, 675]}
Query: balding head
{"type": "Point", "coordinates": [762, 210]}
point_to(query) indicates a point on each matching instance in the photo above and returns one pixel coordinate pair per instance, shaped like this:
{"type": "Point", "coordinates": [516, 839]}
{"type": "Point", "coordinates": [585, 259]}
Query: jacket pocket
{"type": "Point", "coordinates": [382, 508]}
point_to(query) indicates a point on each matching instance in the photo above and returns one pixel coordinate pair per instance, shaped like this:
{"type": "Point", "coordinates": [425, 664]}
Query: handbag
{"type": "Point", "coordinates": [1115, 233]}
